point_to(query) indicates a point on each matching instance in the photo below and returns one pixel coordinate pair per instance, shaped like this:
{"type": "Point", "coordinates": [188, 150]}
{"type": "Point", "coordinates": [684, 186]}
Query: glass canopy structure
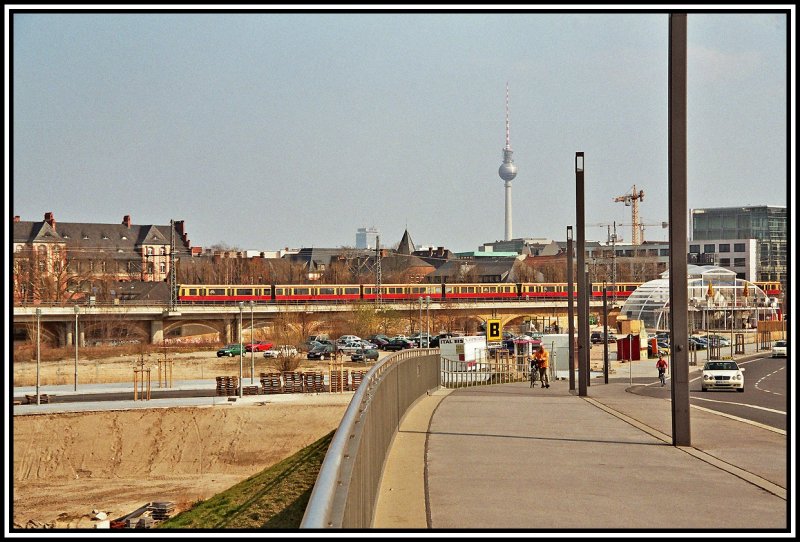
{"type": "Point", "coordinates": [717, 300]}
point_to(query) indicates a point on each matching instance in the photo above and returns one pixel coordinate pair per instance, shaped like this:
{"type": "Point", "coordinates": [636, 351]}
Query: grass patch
{"type": "Point", "coordinates": [276, 498]}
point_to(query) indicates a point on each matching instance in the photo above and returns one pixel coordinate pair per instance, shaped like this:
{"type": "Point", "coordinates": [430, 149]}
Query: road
{"type": "Point", "coordinates": [764, 401]}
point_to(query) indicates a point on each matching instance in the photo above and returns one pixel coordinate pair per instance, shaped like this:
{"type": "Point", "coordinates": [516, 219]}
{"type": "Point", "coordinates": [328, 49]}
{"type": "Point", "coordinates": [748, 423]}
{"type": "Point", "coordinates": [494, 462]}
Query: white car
{"type": "Point", "coordinates": [285, 350]}
{"type": "Point", "coordinates": [779, 349]}
{"type": "Point", "coordinates": [344, 339]}
{"type": "Point", "coordinates": [722, 375]}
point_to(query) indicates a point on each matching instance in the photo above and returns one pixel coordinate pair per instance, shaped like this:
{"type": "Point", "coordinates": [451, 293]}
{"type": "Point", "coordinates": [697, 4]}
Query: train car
{"type": "Point", "coordinates": [402, 292]}
{"type": "Point", "coordinates": [543, 290]}
{"type": "Point", "coordinates": [330, 293]}
{"type": "Point", "coordinates": [479, 291]}
{"type": "Point", "coordinates": [772, 289]}
{"type": "Point", "coordinates": [219, 293]}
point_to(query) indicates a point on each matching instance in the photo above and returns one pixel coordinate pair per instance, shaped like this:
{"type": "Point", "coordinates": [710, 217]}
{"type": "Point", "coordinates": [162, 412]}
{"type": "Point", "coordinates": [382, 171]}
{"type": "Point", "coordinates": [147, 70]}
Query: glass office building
{"type": "Point", "coordinates": [766, 223]}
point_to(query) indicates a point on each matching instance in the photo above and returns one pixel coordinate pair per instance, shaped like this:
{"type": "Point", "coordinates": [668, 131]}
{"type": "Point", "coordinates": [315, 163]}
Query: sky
{"type": "Point", "coordinates": [268, 130]}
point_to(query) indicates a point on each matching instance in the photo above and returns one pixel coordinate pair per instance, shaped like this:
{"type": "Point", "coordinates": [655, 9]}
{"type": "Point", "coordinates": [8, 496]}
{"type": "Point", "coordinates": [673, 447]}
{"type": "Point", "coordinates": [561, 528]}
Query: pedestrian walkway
{"type": "Point", "coordinates": [513, 457]}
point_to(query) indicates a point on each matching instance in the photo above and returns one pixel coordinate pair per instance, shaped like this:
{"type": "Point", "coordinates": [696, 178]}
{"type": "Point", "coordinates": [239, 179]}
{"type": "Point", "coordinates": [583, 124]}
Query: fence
{"type": "Point", "coordinates": [345, 492]}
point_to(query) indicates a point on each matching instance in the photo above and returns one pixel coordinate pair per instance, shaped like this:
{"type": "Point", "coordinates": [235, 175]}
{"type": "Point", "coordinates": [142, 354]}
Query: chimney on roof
{"type": "Point", "coordinates": [50, 219]}
{"type": "Point", "coordinates": [126, 221]}
{"type": "Point", "coordinates": [16, 218]}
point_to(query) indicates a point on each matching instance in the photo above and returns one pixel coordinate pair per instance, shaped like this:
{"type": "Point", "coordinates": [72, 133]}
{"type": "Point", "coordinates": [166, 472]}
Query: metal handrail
{"type": "Point", "coordinates": [328, 501]}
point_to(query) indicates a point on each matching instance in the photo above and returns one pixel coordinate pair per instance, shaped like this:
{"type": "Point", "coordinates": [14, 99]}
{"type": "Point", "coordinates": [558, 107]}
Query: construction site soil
{"type": "Point", "coordinates": [69, 466]}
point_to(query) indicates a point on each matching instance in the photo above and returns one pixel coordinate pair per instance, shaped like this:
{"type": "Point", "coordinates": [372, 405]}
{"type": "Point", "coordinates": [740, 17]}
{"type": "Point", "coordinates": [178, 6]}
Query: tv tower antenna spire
{"type": "Point", "coordinates": [508, 170]}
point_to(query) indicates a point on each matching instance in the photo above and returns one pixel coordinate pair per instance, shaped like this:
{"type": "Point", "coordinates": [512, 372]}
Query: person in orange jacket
{"type": "Point", "coordinates": [542, 357]}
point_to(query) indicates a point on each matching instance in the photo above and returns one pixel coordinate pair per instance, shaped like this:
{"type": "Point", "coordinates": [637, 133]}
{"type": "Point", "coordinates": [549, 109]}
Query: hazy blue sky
{"type": "Point", "coordinates": [271, 130]}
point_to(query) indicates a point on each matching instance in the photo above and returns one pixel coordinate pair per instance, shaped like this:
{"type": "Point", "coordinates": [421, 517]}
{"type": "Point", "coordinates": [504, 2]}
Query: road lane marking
{"type": "Point", "coordinates": [740, 404]}
{"type": "Point", "coordinates": [738, 419]}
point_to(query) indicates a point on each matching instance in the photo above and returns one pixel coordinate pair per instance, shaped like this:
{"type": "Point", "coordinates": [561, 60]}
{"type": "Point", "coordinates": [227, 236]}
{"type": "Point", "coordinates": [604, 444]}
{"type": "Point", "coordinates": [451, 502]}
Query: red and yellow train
{"type": "Point", "coordinates": [295, 293]}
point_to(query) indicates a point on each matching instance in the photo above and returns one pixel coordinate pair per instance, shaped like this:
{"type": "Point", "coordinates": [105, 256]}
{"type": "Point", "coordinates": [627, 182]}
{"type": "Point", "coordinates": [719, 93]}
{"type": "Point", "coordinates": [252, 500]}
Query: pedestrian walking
{"type": "Point", "coordinates": [542, 358]}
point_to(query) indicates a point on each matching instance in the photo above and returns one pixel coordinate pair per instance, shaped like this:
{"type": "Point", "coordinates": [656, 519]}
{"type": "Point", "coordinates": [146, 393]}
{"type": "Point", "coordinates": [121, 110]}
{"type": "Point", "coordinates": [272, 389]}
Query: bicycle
{"type": "Point", "coordinates": [534, 374]}
{"type": "Point", "coordinates": [662, 376]}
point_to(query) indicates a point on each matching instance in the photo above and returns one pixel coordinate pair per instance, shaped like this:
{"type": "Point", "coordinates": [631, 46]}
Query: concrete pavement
{"type": "Point", "coordinates": [513, 457]}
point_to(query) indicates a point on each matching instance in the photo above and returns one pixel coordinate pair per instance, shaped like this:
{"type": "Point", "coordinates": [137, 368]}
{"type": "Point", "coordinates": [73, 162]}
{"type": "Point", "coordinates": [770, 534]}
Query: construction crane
{"type": "Point", "coordinates": [633, 200]}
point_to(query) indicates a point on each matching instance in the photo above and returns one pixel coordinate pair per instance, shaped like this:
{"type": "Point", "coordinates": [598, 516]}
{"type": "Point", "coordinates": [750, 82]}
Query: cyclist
{"type": "Point", "coordinates": [661, 365]}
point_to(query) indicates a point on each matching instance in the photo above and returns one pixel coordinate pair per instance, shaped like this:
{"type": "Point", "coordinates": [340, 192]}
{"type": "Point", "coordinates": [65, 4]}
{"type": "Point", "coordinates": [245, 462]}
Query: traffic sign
{"type": "Point", "coordinates": [494, 330]}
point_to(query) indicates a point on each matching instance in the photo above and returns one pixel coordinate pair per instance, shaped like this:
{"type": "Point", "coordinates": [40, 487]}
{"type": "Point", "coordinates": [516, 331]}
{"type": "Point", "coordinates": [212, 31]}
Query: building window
{"type": "Point", "coordinates": [738, 247]}
{"type": "Point", "coordinates": [709, 249]}
{"type": "Point", "coordinates": [663, 252]}
{"type": "Point", "coordinates": [738, 262]}
{"type": "Point", "coordinates": [725, 247]}
{"type": "Point", "coordinates": [163, 251]}
{"type": "Point", "coordinates": [725, 262]}
{"type": "Point", "coordinates": [149, 251]}
{"type": "Point", "coordinates": [163, 267]}
{"type": "Point", "coordinates": [694, 248]}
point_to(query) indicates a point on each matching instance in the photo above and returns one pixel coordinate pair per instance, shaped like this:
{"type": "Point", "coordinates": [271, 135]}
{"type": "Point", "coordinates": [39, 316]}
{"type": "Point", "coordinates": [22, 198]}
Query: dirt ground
{"type": "Point", "coordinates": [65, 466]}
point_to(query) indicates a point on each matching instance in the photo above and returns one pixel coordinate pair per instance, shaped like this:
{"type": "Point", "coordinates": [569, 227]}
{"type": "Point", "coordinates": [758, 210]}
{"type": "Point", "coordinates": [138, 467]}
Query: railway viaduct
{"type": "Point", "coordinates": [152, 323]}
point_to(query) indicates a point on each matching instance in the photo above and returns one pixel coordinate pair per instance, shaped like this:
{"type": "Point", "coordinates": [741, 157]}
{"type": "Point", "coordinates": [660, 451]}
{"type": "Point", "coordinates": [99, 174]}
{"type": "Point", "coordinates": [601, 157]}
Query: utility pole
{"type": "Point", "coordinates": [378, 271]}
{"type": "Point", "coordinates": [173, 288]}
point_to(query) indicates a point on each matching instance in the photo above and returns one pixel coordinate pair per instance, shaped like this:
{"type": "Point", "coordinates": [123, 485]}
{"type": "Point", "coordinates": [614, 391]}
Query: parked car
{"type": "Point", "coordinates": [719, 339]}
{"type": "Point", "coordinates": [378, 340]}
{"type": "Point", "coordinates": [695, 344]}
{"type": "Point", "coordinates": [365, 354]}
{"type": "Point", "coordinates": [258, 346]}
{"type": "Point", "coordinates": [344, 339]}
{"type": "Point", "coordinates": [309, 345]}
{"type": "Point", "coordinates": [398, 344]}
{"type": "Point", "coordinates": [663, 347]}
{"type": "Point", "coordinates": [323, 351]}
{"type": "Point", "coordinates": [597, 337]}
{"type": "Point", "coordinates": [663, 335]}
{"type": "Point", "coordinates": [282, 350]}
{"type": "Point", "coordinates": [722, 375]}
{"type": "Point", "coordinates": [779, 349]}
{"type": "Point", "coordinates": [230, 350]}
{"type": "Point", "coordinates": [350, 347]}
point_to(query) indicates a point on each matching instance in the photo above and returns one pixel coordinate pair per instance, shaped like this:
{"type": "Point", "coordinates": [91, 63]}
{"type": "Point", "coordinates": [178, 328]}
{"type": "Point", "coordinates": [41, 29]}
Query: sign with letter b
{"type": "Point", "coordinates": [494, 331]}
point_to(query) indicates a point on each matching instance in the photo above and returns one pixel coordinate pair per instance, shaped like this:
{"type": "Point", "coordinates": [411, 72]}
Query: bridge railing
{"type": "Point", "coordinates": [345, 493]}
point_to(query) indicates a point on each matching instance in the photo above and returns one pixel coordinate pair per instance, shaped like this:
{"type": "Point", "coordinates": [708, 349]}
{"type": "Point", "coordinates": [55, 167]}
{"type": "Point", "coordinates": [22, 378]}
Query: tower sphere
{"type": "Point", "coordinates": [507, 171]}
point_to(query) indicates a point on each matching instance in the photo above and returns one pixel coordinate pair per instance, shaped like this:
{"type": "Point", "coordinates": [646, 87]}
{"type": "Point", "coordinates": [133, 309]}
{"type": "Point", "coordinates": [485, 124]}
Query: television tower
{"type": "Point", "coordinates": [508, 171]}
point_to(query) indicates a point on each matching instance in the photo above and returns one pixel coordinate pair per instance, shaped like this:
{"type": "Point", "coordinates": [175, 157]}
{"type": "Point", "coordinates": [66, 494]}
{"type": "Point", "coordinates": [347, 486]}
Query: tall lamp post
{"type": "Point", "coordinates": [241, 353]}
{"type": "Point", "coordinates": [77, 340]}
{"type": "Point", "coordinates": [583, 298]}
{"type": "Point", "coordinates": [570, 311]}
{"type": "Point", "coordinates": [420, 321]}
{"type": "Point", "coordinates": [252, 346]}
{"type": "Point", "coordinates": [428, 321]}
{"type": "Point", "coordinates": [38, 350]}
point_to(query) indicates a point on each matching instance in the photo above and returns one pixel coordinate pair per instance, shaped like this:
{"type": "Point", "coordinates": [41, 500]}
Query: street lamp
{"type": "Point", "coordinates": [420, 321]}
{"type": "Point", "coordinates": [77, 311]}
{"type": "Point", "coordinates": [252, 346]}
{"type": "Point", "coordinates": [38, 350]}
{"type": "Point", "coordinates": [241, 353]}
{"type": "Point", "coordinates": [428, 320]}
